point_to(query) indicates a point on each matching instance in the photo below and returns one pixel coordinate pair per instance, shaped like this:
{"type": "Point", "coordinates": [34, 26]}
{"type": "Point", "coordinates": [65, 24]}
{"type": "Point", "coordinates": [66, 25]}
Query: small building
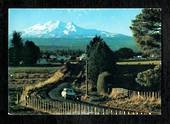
{"type": "Point", "coordinates": [82, 57]}
{"type": "Point", "coordinates": [42, 61]}
{"type": "Point", "coordinates": [62, 58]}
{"type": "Point", "coordinates": [52, 57]}
{"type": "Point", "coordinates": [138, 57]}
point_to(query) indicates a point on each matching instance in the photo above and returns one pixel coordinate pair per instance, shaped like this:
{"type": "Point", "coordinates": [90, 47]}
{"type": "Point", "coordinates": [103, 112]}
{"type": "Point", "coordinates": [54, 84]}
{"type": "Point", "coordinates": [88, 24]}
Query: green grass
{"type": "Point", "coordinates": [146, 62]}
{"type": "Point", "coordinates": [32, 69]}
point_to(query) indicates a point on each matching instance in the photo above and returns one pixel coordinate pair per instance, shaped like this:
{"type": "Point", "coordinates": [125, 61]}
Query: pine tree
{"type": "Point", "coordinates": [147, 31]}
{"type": "Point", "coordinates": [31, 53]}
{"type": "Point", "coordinates": [15, 52]}
{"type": "Point", "coordinates": [100, 59]}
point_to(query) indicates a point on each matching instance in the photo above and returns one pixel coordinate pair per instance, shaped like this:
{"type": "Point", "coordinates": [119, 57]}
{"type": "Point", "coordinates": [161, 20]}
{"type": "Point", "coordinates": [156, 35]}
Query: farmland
{"type": "Point", "coordinates": [18, 78]}
{"type": "Point", "coordinates": [154, 62]}
{"type": "Point", "coordinates": [23, 76]}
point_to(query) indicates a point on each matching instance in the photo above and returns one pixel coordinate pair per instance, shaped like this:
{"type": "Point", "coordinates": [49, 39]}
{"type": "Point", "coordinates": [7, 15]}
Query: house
{"type": "Point", "coordinates": [42, 61]}
{"type": "Point", "coordinates": [138, 57]}
{"type": "Point", "coordinates": [82, 57]}
{"type": "Point", "coordinates": [62, 58]}
{"type": "Point", "coordinates": [52, 57]}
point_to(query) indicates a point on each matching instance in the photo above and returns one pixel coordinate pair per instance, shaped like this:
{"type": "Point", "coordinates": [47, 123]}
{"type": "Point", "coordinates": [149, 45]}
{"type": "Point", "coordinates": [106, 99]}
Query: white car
{"type": "Point", "coordinates": [68, 93]}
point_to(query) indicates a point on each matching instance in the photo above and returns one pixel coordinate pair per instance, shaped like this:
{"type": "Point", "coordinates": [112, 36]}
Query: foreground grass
{"type": "Point", "coordinates": [136, 103]}
{"type": "Point", "coordinates": [32, 69]}
{"type": "Point", "coordinates": [15, 86]}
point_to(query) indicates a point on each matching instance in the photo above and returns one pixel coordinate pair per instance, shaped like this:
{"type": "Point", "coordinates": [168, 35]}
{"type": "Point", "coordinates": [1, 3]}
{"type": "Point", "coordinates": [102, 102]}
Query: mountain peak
{"type": "Point", "coordinates": [58, 29]}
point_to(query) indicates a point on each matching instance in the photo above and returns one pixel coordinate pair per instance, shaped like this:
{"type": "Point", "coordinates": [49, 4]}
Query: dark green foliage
{"type": "Point", "coordinates": [31, 53]}
{"type": "Point", "coordinates": [147, 31]}
{"type": "Point", "coordinates": [15, 52]}
{"type": "Point", "coordinates": [150, 78]}
{"type": "Point", "coordinates": [124, 53]}
{"type": "Point", "coordinates": [16, 40]}
{"type": "Point", "coordinates": [26, 54]}
{"type": "Point", "coordinates": [102, 83]}
{"type": "Point", "coordinates": [100, 59]}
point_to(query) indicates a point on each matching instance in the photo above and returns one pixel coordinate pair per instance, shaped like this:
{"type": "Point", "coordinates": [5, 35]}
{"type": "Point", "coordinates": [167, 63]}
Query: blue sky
{"type": "Point", "coordinates": [111, 20]}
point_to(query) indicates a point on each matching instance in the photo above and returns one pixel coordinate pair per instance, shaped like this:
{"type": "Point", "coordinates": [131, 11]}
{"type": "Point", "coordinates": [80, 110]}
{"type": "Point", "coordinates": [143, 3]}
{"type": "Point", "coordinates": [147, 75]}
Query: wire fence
{"type": "Point", "coordinates": [76, 108]}
{"type": "Point", "coordinates": [145, 94]}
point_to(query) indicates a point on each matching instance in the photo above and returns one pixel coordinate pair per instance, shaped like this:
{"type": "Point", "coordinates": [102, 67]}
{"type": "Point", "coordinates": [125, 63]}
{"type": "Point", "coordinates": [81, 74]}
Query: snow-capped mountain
{"type": "Point", "coordinates": [58, 29]}
{"type": "Point", "coordinates": [68, 35]}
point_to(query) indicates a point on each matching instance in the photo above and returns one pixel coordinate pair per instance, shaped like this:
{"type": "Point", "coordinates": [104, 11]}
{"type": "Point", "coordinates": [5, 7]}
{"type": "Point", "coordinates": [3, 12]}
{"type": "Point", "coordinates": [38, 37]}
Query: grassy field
{"type": "Point", "coordinates": [16, 84]}
{"type": "Point", "coordinates": [147, 62]}
{"type": "Point", "coordinates": [32, 69]}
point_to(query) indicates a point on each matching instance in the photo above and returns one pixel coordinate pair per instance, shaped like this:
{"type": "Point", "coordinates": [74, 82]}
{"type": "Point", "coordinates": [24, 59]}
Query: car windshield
{"type": "Point", "coordinates": [68, 90]}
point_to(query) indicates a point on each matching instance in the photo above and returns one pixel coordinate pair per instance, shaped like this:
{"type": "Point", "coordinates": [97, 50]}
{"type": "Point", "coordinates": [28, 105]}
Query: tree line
{"type": "Point", "coordinates": [22, 53]}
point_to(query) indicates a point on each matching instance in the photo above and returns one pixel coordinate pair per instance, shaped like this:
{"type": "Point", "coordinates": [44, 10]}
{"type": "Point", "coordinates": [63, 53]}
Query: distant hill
{"type": "Point", "coordinates": [57, 34]}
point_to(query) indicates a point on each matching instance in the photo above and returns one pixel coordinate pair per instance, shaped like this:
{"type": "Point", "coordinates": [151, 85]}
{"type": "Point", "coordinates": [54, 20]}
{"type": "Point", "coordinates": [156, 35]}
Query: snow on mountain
{"type": "Point", "coordinates": [41, 29]}
{"type": "Point", "coordinates": [58, 29]}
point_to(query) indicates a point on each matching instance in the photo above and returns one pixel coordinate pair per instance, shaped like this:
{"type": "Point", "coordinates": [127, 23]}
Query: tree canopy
{"type": "Point", "coordinates": [27, 53]}
{"type": "Point", "coordinates": [124, 53]}
{"type": "Point", "coordinates": [146, 30]}
{"type": "Point", "coordinates": [31, 53]}
{"type": "Point", "coordinates": [15, 52]}
{"type": "Point", "coordinates": [150, 78]}
{"type": "Point", "coordinates": [100, 59]}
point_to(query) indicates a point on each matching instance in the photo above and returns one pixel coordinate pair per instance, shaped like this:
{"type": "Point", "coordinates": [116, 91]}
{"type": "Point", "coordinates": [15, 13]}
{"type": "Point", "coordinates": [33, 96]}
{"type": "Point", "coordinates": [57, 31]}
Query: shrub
{"type": "Point", "coordinates": [150, 78]}
{"type": "Point", "coordinates": [102, 83]}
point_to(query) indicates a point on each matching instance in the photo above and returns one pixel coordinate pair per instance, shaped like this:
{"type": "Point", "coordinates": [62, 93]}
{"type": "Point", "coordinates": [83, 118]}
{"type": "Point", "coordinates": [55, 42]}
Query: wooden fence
{"type": "Point", "coordinates": [145, 94]}
{"type": "Point", "coordinates": [76, 108]}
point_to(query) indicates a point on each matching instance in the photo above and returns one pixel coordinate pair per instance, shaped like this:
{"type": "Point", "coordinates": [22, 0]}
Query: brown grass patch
{"type": "Point", "coordinates": [57, 75]}
{"type": "Point", "coordinates": [118, 93]}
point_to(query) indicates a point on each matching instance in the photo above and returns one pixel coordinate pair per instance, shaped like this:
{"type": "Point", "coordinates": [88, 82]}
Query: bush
{"type": "Point", "coordinates": [150, 78]}
{"type": "Point", "coordinates": [124, 53]}
{"type": "Point", "coordinates": [102, 83]}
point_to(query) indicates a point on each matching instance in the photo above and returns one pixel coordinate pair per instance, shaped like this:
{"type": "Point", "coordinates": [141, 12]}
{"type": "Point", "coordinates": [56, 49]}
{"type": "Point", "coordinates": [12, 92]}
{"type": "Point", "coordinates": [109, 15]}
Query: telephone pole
{"type": "Point", "coordinates": [86, 73]}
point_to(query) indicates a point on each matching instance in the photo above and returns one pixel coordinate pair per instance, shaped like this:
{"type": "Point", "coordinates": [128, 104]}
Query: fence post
{"type": "Point", "coordinates": [95, 110]}
{"type": "Point", "coordinates": [87, 109]}
{"type": "Point", "coordinates": [150, 94]}
{"type": "Point", "coordinates": [57, 107]}
{"type": "Point", "coordinates": [32, 102]}
{"type": "Point", "coordinates": [103, 111]}
{"type": "Point", "coordinates": [116, 112]}
{"type": "Point", "coordinates": [35, 103]}
{"type": "Point", "coordinates": [70, 108]}
{"type": "Point", "coordinates": [65, 107]}
{"type": "Point", "coordinates": [153, 95]}
{"type": "Point", "coordinates": [42, 103]}
{"type": "Point", "coordinates": [17, 101]}
{"type": "Point", "coordinates": [45, 106]}
{"type": "Point", "coordinates": [138, 94]}
{"type": "Point", "coordinates": [82, 109]}
{"type": "Point", "coordinates": [159, 94]}
{"type": "Point", "coordinates": [62, 108]}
